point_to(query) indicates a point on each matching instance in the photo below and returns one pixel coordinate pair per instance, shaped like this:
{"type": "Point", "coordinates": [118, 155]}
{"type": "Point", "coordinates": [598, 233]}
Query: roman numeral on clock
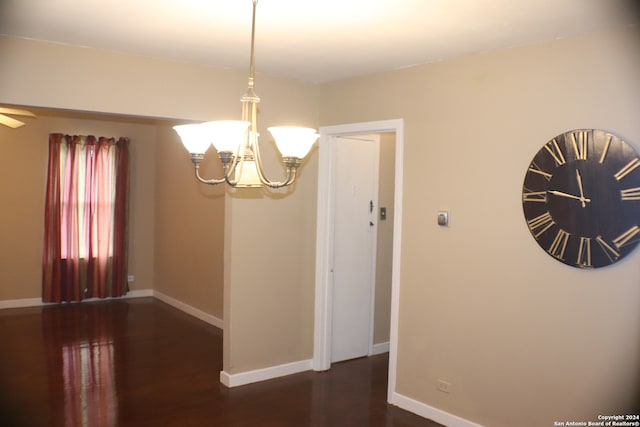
{"type": "Point", "coordinates": [603, 157]}
{"type": "Point", "coordinates": [626, 237]}
{"type": "Point", "coordinates": [607, 249]}
{"type": "Point", "coordinates": [559, 244]}
{"type": "Point", "coordinates": [535, 196]}
{"type": "Point", "coordinates": [540, 224]}
{"type": "Point", "coordinates": [630, 194]}
{"type": "Point", "coordinates": [584, 252]}
{"type": "Point", "coordinates": [627, 169]}
{"type": "Point", "coordinates": [579, 140]}
{"type": "Point", "coordinates": [554, 149]}
{"type": "Point", "coordinates": [535, 169]}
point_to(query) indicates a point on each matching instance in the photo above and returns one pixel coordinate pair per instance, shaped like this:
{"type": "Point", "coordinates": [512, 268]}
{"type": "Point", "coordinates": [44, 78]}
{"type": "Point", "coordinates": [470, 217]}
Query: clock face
{"type": "Point", "coordinates": [581, 198]}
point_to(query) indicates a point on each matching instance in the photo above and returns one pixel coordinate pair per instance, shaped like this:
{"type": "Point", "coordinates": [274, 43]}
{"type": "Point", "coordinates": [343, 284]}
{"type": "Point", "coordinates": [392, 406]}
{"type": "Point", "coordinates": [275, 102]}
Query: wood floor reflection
{"type": "Point", "coordinates": [140, 362]}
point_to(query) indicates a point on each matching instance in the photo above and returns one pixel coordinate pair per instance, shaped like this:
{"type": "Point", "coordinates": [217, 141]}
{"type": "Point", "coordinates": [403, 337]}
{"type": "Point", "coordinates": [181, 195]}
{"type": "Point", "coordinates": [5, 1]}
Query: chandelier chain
{"type": "Point", "coordinates": [237, 140]}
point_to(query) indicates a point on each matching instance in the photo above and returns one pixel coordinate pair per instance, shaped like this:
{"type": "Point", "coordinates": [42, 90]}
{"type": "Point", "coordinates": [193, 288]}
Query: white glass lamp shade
{"type": "Point", "coordinates": [193, 139]}
{"type": "Point", "coordinates": [293, 141]}
{"type": "Point", "coordinates": [226, 135]}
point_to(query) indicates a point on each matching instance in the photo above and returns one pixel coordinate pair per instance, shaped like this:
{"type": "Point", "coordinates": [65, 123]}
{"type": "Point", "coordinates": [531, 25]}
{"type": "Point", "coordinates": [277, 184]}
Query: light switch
{"type": "Point", "coordinates": [443, 218]}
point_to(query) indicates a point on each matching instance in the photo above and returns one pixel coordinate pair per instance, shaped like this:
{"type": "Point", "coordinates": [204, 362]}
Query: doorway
{"type": "Point", "coordinates": [325, 243]}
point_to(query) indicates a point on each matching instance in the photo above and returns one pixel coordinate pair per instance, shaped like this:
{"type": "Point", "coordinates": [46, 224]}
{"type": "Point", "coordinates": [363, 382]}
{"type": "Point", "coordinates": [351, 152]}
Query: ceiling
{"type": "Point", "coordinates": [311, 40]}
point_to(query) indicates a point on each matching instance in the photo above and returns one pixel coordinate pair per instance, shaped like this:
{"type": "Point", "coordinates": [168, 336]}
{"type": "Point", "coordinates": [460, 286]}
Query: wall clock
{"type": "Point", "coordinates": [581, 198]}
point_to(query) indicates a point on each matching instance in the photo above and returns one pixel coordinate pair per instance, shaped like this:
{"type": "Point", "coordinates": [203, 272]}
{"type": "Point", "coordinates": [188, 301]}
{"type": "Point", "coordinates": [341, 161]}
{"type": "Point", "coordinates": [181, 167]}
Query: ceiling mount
{"type": "Point", "coordinates": [10, 121]}
{"type": "Point", "coordinates": [237, 141]}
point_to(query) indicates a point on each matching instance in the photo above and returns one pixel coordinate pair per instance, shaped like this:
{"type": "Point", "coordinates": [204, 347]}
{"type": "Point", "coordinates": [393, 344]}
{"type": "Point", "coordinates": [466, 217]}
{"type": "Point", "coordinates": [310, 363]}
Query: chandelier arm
{"type": "Point", "coordinates": [206, 181]}
{"type": "Point", "coordinates": [233, 183]}
{"type": "Point", "coordinates": [291, 170]}
{"type": "Point", "coordinates": [292, 164]}
{"type": "Point", "coordinates": [229, 163]}
{"type": "Point", "coordinates": [291, 177]}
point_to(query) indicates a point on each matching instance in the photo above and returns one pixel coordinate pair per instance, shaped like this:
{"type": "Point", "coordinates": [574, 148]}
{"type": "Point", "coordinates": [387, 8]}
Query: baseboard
{"type": "Point", "coordinates": [205, 317]}
{"type": "Point", "coordinates": [243, 378]}
{"type": "Point", "coordinates": [139, 293]}
{"type": "Point", "coordinates": [430, 412]}
{"type": "Point", "coordinates": [37, 302]}
{"type": "Point", "coordinates": [380, 348]}
{"type": "Point", "coordinates": [20, 303]}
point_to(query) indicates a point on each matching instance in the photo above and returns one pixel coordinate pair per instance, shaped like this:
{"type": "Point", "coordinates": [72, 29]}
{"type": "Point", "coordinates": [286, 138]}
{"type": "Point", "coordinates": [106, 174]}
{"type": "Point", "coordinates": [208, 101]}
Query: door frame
{"type": "Point", "coordinates": [324, 240]}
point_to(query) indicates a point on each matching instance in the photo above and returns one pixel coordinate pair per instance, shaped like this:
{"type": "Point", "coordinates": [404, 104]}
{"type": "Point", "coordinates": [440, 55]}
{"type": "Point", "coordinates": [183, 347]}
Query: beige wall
{"type": "Point", "coordinates": [60, 76]}
{"type": "Point", "coordinates": [269, 241]}
{"type": "Point", "coordinates": [269, 306]}
{"type": "Point", "coordinates": [523, 340]}
{"type": "Point", "coordinates": [189, 231]}
{"type": "Point", "coordinates": [384, 253]}
{"type": "Point", "coordinates": [23, 177]}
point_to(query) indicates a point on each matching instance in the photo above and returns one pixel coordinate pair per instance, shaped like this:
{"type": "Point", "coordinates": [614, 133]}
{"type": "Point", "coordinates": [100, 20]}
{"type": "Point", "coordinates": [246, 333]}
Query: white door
{"type": "Point", "coordinates": [355, 185]}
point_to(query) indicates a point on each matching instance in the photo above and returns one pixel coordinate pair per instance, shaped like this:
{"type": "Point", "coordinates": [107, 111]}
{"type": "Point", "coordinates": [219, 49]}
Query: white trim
{"type": "Point", "coordinates": [379, 348]}
{"type": "Point", "coordinates": [249, 377]}
{"type": "Point", "coordinates": [20, 303]}
{"type": "Point", "coordinates": [395, 269]}
{"type": "Point", "coordinates": [323, 294]}
{"type": "Point", "coordinates": [205, 317]}
{"type": "Point", "coordinates": [139, 293]}
{"type": "Point", "coordinates": [37, 302]}
{"type": "Point", "coordinates": [374, 243]}
{"type": "Point", "coordinates": [434, 414]}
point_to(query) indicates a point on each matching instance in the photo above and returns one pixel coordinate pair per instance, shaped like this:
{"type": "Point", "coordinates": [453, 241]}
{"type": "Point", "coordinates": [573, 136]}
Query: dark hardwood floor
{"type": "Point", "coordinates": [140, 362]}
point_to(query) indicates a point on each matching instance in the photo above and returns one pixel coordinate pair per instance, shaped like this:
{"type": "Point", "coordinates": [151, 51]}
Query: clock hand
{"type": "Point", "coordinates": [579, 178]}
{"type": "Point", "coordinates": [570, 196]}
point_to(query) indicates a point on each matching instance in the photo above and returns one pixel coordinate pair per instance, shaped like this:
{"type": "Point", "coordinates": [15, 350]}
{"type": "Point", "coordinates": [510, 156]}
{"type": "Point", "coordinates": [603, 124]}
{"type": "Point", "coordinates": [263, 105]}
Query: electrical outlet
{"type": "Point", "coordinates": [130, 278]}
{"type": "Point", "coordinates": [443, 386]}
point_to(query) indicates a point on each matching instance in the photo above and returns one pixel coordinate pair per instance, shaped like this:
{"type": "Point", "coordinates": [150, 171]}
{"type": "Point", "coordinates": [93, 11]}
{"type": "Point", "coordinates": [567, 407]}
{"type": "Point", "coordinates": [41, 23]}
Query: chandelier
{"type": "Point", "coordinates": [236, 141]}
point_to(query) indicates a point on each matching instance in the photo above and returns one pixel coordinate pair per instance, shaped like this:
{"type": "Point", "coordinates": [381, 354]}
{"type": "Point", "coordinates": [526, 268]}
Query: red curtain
{"type": "Point", "coordinates": [86, 218]}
